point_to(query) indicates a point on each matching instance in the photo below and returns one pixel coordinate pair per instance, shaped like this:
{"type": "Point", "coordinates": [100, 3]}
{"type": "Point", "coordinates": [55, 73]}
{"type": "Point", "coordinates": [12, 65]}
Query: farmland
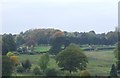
{"type": "Point", "coordinates": [100, 62]}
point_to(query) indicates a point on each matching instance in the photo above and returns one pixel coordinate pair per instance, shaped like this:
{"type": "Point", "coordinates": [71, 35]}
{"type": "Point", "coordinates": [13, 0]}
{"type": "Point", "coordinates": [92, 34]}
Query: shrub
{"type": "Point", "coordinates": [85, 73]}
{"type": "Point", "coordinates": [36, 71]}
{"type": "Point", "coordinates": [9, 54]}
{"type": "Point", "coordinates": [26, 64]}
{"type": "Point", "coordinates": [43, 62]}
{"type": "Point", "coordinates": [51, 72]}
{"type": "Point", "coordinates": [20, 69]}
{"type": "Point", "coordinates": [7, 66]}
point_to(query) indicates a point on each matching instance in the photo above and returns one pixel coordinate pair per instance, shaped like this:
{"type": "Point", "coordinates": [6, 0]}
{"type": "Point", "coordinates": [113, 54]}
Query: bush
{"type": "Point", "coordinates": [43, 62]}
{"type": "Point", "coordinates": [7, 66]}
{"type": "Point", "coordinates": [10, 54]}
{"type": "Point", "coordinates": [26, 64]}
{"type": "Point", "coordinates": [85, 73]}
{"type": "Point", "coordinates": [51, 72]}
{"type": "Point", "coordinates": [36, 71]}
{"type": "Point", "coordinates": [67, 73]}
{"type": "Point", "coordinates": [20, 69]}
{"type": "Point", "coordinates": [31, 53]}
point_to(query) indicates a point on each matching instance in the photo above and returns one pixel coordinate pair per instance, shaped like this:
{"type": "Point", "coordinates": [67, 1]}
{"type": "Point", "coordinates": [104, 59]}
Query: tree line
{"type": "Point", "coordinates": [35, 37]}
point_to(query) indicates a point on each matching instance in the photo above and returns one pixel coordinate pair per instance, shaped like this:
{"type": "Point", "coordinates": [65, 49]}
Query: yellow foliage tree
{"type": "Point", "coordinates": [14, 59]}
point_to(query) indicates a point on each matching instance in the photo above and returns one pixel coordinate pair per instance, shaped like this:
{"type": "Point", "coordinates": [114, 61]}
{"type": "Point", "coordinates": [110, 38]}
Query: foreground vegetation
{"type": "Point", "coordinates": [100, 62]}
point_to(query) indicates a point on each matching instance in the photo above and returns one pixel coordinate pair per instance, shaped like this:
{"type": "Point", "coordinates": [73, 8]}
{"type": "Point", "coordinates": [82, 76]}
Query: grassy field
{"type": "Point", "coordinates": [46, 48]}
{"type": "Point", "coordinates": [100, 62]}
{"type": "Point", "coordinates": [42, 48]}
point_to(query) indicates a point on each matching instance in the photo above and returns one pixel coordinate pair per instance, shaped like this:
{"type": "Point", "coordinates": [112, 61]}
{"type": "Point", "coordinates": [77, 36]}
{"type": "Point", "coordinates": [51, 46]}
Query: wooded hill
{"type": "Point", "coordinates": [45, 36]}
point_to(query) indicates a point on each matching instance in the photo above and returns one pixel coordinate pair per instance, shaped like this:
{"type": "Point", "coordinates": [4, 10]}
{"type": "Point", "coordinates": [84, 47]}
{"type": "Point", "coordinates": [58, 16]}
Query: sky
{"type": "Point", "coordinates": [66, 15]}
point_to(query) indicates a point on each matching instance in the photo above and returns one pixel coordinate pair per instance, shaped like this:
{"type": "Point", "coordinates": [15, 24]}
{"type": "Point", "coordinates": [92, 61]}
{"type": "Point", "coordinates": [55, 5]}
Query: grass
{"type": "Point", "coordinates": [100, 62]}
{"type": "Point", "coordinates": [33, 58]}
{"type": "Point", "coordinates": [42, 48]}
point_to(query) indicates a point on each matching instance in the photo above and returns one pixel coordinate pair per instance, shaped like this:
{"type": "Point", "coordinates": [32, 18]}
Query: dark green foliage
{"type": "Point", "coordinates": [26, 64]}
{"type": "Point", "coordinates": [8, 43]}
{"type": "Point", "coordinates": [7, 66]}
{"type": "Point", "coordinates": [37, 71]}
{"type": "Point", "coordinates": [113, 72]}
{"type": "Point", "coordinates": [72, 58]}
{"type": "Point", "coordinates": [55, 49]}
{"type": "Point", "coordinates": [19, 40]}
{"type": "Point", "coordinates": [46, 36]}
{"type": "Point", "coordinates": [57, 44]}
{"type": "Point", "coordinates": [117, 55]}
{"type": "Point", "coordinates": [43, 62]}
{"type": "Point", "coordinates": [51, 72]}
{"type": "Point", "coordinates": [20, 69]}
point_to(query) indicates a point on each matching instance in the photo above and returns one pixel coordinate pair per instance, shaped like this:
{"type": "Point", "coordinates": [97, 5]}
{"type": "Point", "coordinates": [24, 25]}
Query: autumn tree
{"type": "Point", "coordinates": [14, 59]}
{"type": "Point", "coordinates": [72, 58]}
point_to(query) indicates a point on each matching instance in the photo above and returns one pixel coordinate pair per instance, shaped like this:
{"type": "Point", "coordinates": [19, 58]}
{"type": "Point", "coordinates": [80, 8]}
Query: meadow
{"type": "Point", "coordinates": [100, 62]}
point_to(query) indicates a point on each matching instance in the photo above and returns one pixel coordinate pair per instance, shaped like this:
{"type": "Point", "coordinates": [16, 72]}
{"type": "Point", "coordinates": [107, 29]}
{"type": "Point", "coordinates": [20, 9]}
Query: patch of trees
{"type": "Point", "coordinates": [8, 43]}
{"type": "Point", "coordinates": [70, 59]}
{"type": "Point", "coordinates": [58, 44]}
{"type": "Point", "coordinates": [47, 36]}
{"type": "Point", "coordinates": [56, 38]}
{"type": "Point", "coordinates": [9, 64]}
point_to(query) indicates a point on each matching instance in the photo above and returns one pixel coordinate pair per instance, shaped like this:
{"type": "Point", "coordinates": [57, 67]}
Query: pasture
{"type": "Point", "coordinates": [41, 48]}
{"type": "Point", "coordinates": [100, 62]}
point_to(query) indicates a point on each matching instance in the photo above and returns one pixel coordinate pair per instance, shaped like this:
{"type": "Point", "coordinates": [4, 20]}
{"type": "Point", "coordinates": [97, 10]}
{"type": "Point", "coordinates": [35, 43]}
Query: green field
{"type": "Point", "coordinates": [100, 62]}
{"type": "Point", "coordinates": [42, 48]}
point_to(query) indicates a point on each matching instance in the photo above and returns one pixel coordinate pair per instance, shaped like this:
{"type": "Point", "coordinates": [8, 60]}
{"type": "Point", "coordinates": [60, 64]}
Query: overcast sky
{"type": "Point", "coordinates": [67, 15]}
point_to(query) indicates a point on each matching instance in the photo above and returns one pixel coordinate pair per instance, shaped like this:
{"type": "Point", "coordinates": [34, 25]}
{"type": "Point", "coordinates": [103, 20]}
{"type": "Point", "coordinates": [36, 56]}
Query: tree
{"type": "Point", "coordinates": [9, 54]}
{"type": "Point", "coordinates": [113, 72]}
{"type": "Point", "coordinates": [57, 44]}
{"type": "Point", "coordinates": [14, 59]}
{"type": "Point", "coordinates": [72, 58]}
{"type": "Point", "coordinates": [117, 55]}
{"type": "Point", "coordinates": [30, 41]}
{"type": "Point", "coordinates": [51, 72]}
{"type": "Point", "coordinates": [20, 69]}
{"type": "Point", "coordinates": [7, 66]}
{"type": "Point", "coordinates": [36, 70]}
{"type": "Point", "coordinates": [43, 62]}
{"type": "Point", "coordinates": [8, 43]}
{"type": "Point", "coordinates": [26, 64]}
{"type": "Point", "coordinates": [19, 40]}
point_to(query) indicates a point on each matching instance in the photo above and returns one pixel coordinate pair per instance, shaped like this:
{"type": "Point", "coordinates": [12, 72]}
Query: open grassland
{"type": "Point", "coordinates": [100, 62]}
